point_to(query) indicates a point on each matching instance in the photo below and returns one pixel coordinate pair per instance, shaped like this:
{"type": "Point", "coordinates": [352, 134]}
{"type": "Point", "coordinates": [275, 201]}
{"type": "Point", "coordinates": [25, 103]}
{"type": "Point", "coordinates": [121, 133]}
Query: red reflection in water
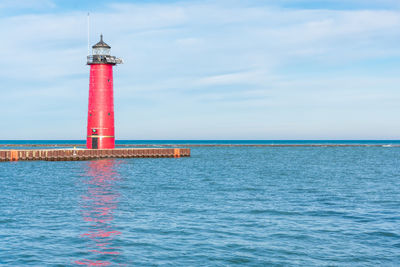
{"type": "Point", "coordinates": [98, 205]}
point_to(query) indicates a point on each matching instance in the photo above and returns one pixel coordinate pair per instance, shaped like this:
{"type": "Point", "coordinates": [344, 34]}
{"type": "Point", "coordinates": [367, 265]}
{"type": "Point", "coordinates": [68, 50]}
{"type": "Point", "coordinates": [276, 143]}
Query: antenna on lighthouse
{"type": "Point", "coordinates": [88, 34]}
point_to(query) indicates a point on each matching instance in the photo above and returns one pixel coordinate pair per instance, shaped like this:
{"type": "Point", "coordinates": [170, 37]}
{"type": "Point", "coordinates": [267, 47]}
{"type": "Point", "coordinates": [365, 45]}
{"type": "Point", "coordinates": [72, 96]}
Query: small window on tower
{"type": "Point", "coordinates": [109, 113]}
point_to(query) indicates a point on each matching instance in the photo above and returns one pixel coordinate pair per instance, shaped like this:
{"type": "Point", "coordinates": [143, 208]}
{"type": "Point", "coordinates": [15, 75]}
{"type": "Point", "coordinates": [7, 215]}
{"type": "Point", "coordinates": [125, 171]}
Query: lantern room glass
{"type": "Point", "coordinates": [101, 51]}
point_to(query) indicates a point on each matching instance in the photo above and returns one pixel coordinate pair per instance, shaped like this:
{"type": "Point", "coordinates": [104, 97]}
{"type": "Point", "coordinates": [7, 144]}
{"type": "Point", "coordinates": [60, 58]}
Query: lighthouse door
{"type": "Point", "coordinates": [95, 143]}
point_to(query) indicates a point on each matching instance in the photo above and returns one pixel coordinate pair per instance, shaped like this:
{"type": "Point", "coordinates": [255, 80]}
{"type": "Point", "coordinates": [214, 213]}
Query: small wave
{"type": "Point", "coordinates": [290, 236]}
{"type": "Point", "coordinates": [239, 260]}
{"type": "Point", "coordinates": [6, 221]}
{"type": "Point", "coordinates": [274, 212]}
{"type": "Point", "coordinates": [383, 233]}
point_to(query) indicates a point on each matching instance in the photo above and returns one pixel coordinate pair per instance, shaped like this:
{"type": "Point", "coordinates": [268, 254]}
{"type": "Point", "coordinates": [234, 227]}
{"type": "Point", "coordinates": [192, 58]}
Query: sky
{"type": "Point", "coordinates": [239, 69]}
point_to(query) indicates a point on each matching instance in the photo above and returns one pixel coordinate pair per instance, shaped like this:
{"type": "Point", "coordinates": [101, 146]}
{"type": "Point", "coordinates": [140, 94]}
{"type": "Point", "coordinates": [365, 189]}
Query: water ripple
{"type": "Point", "coordinates": [221, 207]}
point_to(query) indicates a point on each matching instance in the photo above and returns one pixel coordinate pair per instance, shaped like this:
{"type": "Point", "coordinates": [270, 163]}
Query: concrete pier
{"type": "Point", "coordinates": [89, 154]}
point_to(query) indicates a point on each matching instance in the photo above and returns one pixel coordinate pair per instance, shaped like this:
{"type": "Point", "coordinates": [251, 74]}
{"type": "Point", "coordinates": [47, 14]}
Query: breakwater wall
{"type": "Point", "coordinates": [89, 154]}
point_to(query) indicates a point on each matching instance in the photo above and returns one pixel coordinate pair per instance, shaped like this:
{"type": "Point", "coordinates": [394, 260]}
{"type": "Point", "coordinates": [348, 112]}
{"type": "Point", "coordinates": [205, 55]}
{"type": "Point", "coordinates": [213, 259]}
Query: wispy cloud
{"type": "Point", "coordinates": [26, 4]}
{"type": "Point", "coordinates": [249, 64]}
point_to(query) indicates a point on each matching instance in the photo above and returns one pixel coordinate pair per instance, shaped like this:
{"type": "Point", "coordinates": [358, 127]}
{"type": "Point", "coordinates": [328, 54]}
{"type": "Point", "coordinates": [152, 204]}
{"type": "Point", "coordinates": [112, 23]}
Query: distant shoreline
{"type": "Point", "coordinates": [208, 145]}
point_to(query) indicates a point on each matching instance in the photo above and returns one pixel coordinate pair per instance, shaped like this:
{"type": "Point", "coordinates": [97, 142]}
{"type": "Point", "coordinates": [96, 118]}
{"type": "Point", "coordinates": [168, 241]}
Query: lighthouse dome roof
{"type": "Point", "coordinates": [101, 44]}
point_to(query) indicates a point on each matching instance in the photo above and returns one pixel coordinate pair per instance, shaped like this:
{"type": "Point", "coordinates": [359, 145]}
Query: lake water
{"type": "Point", "coordinates": [223, 206]}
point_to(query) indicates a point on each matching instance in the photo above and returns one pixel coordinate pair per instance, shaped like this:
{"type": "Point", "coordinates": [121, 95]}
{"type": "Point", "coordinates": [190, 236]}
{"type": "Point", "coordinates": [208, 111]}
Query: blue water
{"type": "Point", "coordinates": [200, 142]}
{"type": "Point", "coordinates": [224, 206]}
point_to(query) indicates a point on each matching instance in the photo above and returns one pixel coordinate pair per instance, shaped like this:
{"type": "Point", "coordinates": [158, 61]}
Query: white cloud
{"type": "Point", "coordinates": [246, 77]}
{"type": "Point", "coordinates": [26, 4]}
{"type": "Point", "coordinates": [238, 61]}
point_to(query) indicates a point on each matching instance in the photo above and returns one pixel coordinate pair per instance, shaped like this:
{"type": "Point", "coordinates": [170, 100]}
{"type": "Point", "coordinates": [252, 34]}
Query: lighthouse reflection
{"type": "Point", "coordinates": [98, 204]}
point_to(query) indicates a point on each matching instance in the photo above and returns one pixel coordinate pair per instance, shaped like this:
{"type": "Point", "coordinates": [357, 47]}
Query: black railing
{"type": "Point", "coordinates": [103, 59]}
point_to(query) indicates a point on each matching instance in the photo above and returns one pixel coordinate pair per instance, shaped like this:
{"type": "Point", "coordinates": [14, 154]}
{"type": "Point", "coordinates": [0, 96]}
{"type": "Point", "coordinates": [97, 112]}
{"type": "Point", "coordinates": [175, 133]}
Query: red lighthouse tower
{"type": "Point", "coordinates": [100, 127]}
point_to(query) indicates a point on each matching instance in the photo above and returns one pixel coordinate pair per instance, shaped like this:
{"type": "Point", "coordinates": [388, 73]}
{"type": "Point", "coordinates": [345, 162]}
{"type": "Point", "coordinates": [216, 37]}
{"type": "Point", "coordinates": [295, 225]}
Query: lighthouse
{"type": "Point", "coordinates": [100, 126]}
